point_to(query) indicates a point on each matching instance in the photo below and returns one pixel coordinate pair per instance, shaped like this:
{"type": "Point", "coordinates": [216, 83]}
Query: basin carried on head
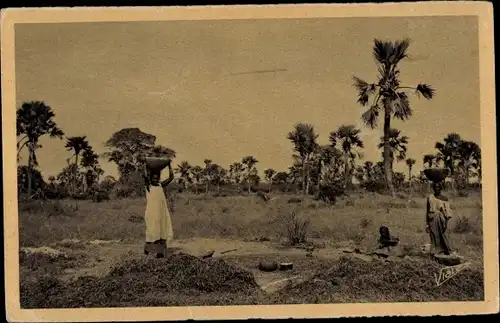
{"type": "Point", "coordinates": [436, 174]}
{"type": "Point", "coordinates": [156, 164]}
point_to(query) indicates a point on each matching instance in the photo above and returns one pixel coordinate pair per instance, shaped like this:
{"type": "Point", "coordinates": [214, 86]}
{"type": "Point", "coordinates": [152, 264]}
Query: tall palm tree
{"type": "Point", "coordinates": [410, 162]}
{"type": "Point", "coordinates": [184, 170]}
{"type": "Point", "coordinates": [235, 171]}
{"type": "Point", "coordinates": [251, 171]}
{"type": "Point", "coordinates": [269, 173]}
{"type": "Point", "coordinates": [90, 161]}
{"type": "Point", "coordinates": [449, 153]}
{"type": "Point", "coordinates": [34, 119]}
{"type": "Point", "coordinates": [76, 145]}
{"type": "Point", "coordinates": [303, 137]}
{"type": "Point", "coordinates": [388, 95]}
{"type": "Point", "coordinates": [470, 157]}
{"type": "Point", "coordinates": [207, 173]}
{"type": "Point", "coordinates": [325, 155]}
{"type": "Point", "coordinates": [348, 138]}
{"type": "Point", "coordinates": [397, 144]}
{"type": "Point", "coordinates": [197, 172]}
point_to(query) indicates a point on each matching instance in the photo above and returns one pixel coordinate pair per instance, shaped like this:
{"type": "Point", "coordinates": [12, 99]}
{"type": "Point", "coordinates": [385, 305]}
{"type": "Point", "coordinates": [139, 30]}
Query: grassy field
{"type": "Point", "coordinates": [260, 229]}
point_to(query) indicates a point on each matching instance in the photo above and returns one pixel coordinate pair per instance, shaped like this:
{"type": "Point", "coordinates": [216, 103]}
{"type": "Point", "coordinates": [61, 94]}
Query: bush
{"type": "Point", "coordinates": [295, 228]}
{"type": "Point", "coordinates": [462, 225]}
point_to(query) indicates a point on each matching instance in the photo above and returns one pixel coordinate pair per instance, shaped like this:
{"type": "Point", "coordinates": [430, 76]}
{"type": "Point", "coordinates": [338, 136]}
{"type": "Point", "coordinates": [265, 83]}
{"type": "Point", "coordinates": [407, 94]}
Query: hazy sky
{"type": "Point", "coordinates": [184, 82]}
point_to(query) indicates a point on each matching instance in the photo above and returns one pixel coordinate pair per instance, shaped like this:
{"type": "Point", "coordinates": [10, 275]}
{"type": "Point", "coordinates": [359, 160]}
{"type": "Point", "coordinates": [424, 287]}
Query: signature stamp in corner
{"type": "Point", "coordinates": [448, 272]}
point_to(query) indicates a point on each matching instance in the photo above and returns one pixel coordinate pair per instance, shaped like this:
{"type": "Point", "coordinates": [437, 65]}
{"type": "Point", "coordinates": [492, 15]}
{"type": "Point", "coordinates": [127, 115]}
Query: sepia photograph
{"type": "Point", "coordinates": [249, 161]}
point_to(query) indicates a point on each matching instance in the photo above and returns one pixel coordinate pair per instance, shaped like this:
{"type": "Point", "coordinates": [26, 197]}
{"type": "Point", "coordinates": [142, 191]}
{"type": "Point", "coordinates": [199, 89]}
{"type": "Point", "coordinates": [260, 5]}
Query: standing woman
{"type": "Point", "coordinates": [437, 216]}
{"type": "Point", "coordinates": [157, 217]}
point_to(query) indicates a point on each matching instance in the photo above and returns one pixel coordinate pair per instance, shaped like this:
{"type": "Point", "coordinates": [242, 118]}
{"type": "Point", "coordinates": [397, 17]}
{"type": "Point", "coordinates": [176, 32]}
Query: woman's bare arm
{"type": "Point", "coordinates": [170, 176]}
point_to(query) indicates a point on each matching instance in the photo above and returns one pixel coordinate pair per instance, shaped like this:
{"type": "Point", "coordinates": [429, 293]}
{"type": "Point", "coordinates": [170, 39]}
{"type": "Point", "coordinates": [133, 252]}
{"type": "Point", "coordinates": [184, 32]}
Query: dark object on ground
{"type": "Point", "coordinates": [286, 266]}
{"type": "Point", "coordinates": [156, 164]}
{"type": "Point", "coordinates": [436, 175]}
{"type": "Point", "coordinates": [99, 196]}
{"type": "Point", "coordinates": [207, 254]}
{"type": "Point", "coordinates": [385, 239]}
{"type": "Point", "coordinates": [160, 255]}
{"type": "Point", "coordinates": [448, 260]}
{"type": "Point", "coordinates": [268, 265]}
{"type": "Point", "coordinates": [329, 194]}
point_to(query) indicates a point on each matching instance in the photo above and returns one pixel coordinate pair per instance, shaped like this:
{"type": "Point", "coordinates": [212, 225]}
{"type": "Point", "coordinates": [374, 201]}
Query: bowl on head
{"type": "Point", "coordinates": [436, 175]}
{"type": "Point", "coordinates": [156, 164]}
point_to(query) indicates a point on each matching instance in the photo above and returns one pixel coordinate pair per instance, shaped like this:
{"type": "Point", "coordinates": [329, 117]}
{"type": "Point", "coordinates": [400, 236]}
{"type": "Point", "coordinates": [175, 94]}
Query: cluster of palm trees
{"type": "Point", "coordinates": [314, 164]}
{"type": "Point", "coordinates": [35, 119]}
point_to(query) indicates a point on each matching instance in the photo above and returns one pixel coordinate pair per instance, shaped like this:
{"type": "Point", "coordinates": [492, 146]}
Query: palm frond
{"type": "Point", "coordinates": [382, 51]}
{"type": "Point", "coordinates": [401, 106]}
{"type": "Point", "coordinates": [365, 89]}
{"type": "Point", "coordinates": [426, 90]}
{"type": "Point", "coordinates": [370, 116]}
{"type": "Point", "coordinates": [399, 51]}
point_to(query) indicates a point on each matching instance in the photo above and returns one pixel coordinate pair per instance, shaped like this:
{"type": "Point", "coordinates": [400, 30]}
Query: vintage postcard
{"type": "Point", "coordinates": [232, 162]}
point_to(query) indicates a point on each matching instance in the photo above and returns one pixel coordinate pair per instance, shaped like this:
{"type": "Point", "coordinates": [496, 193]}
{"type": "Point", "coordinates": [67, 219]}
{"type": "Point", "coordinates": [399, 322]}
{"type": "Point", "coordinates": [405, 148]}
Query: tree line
{"type": "Point", "coordinates": [314, 167]}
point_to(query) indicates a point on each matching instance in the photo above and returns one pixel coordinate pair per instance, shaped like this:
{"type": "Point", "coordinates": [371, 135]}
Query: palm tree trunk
{"type": "Point", "coordinates": [346, 170]}
{"type": "Point", "coordinates": [303, 175]}
{"type": "Point", "coordinates": [387, 151]}
{"type": "Point", "coordinates": [308, 178]}
{"type": "Point", "coordinates": [319, 176]}
{"type": "Point", "coordinates": [30, 167]}
{"type": "Point", "coordinates": [75, 171]}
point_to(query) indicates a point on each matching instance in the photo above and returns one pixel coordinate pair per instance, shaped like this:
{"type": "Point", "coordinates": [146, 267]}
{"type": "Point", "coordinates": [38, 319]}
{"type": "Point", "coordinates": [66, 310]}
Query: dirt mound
{"type": "Point", "coordinates": [147, 282]}
{"type": "Point", "coordinates": [353, 280]}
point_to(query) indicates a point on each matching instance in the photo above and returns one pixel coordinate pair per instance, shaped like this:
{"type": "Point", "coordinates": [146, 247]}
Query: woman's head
{"type": "Point", "coordinates": [437, 187]}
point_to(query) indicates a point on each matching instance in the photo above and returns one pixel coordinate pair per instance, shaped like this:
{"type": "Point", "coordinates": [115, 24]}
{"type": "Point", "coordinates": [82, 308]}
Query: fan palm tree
{"type": "Point", "coordinates": [235, 171]}
{"type": "Point", "coordinates": [398, 145]}
{"type": "Point", "coordinates": [207, 173]}
{"type": "Point", "coordinates": [269, 173]}
{"type": "Point", "coordinates": [90, 161]}
{"type": "Point", "coordinates": [470, 156]}
{"type": "Point", "coordinates": [303, 137]}
{"type": "Point", "coordinates": [197, 172]}
{"type": "Point", "coordinates": [449, 153]}
{"type": "Point", "coordinates": [348, 138]}
{"type": "Point", "coordinates": [184, 170]}
{"type": "Point", "coordinates": [325, 156]}
{"type": "Point", "coordinates": [34, 119]}
{"type": "Point", "coordinates": [76, 145]}
{"type": "Point", "coordinates": [251, 171]}
{"type": "Point", "coordinates": [410, 162]}
{"type": "Point", "coordinates": [388, 94]}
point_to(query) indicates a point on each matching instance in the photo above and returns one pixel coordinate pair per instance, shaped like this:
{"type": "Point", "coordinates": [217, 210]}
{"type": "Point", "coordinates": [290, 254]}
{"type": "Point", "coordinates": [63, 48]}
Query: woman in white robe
{"type": "Point", "coordinates": [159, 230]}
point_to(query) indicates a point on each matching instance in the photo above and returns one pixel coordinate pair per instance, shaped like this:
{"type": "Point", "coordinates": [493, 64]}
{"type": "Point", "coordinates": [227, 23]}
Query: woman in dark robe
{"type": "Point", "coordinates": [437, 216]}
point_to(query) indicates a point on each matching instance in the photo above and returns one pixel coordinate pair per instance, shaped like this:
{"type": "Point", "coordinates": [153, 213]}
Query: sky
{"type": "Point", "coordinates": [226, 89]}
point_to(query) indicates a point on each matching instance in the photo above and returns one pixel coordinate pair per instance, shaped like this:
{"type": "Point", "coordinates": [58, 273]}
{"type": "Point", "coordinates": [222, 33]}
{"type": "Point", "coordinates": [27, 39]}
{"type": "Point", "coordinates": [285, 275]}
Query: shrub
{"type": "Point", "coordinates": [462, 225]}
{"type": "Point", "coordinates": [295, 228]}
